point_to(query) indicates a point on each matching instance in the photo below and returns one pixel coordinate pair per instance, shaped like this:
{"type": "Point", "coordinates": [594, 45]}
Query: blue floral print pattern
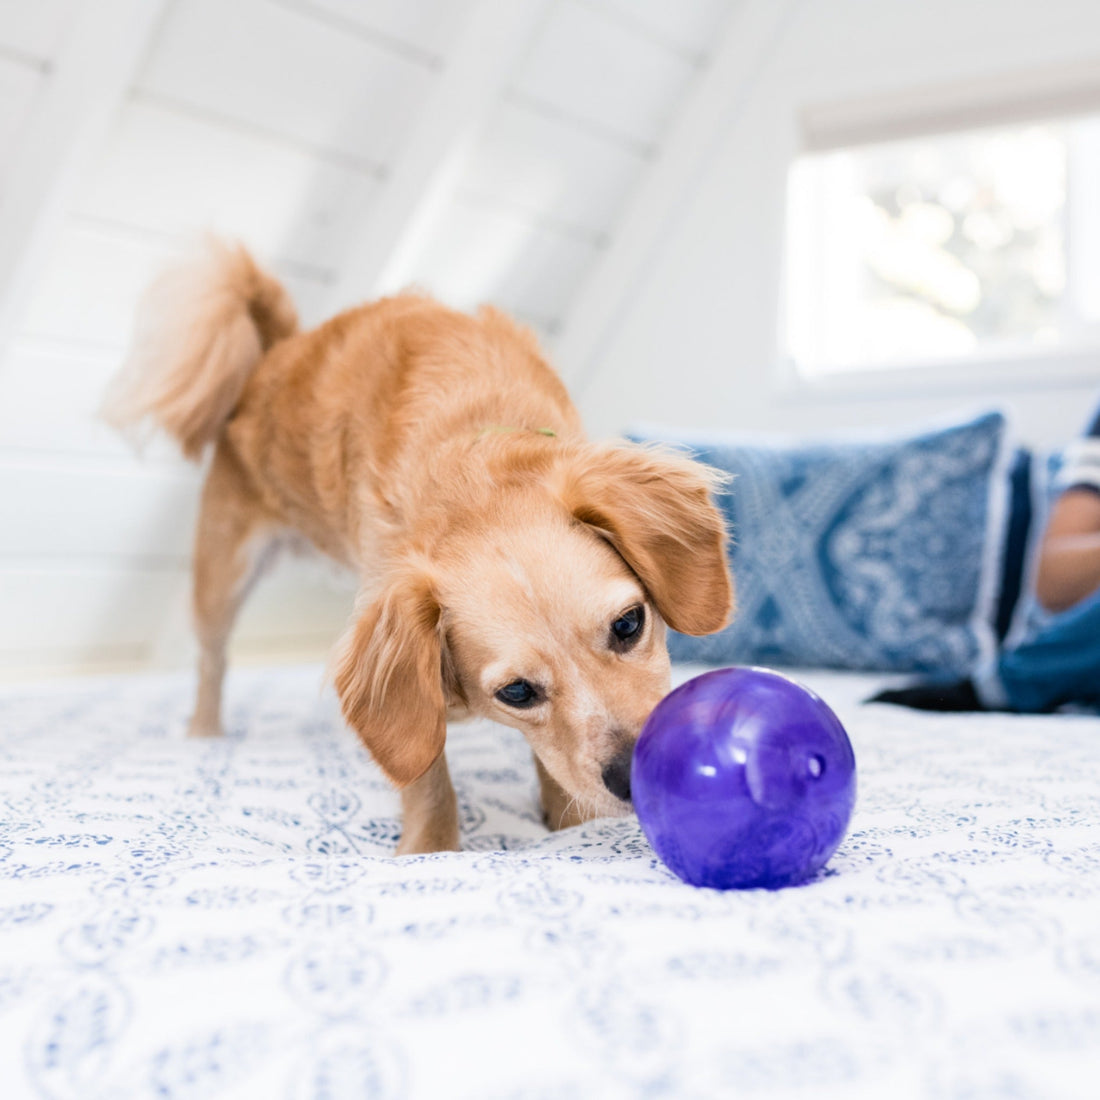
{"type": "Point", "coordinates": [223, 918]}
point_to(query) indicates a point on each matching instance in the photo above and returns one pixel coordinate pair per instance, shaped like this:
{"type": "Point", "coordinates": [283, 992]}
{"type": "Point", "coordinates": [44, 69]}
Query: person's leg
{"type": "Point", "coordinates": [1059, 663]}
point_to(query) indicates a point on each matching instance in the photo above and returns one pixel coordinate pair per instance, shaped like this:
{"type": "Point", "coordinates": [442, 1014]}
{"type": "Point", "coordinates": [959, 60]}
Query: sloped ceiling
{"type": "Point", "coordinates": [284, 122]}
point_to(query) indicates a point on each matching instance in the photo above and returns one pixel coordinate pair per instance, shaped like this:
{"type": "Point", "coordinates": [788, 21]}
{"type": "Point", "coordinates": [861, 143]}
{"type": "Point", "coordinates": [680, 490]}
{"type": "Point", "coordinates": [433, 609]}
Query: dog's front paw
{"type": "Point", "coordinates": [200, 726]}
{"type": "Point", "coordinates": [425, 841]}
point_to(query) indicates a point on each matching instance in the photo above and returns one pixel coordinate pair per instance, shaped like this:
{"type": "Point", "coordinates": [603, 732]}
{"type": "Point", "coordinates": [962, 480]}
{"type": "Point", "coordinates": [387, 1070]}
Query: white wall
{"type": "Point", "coordinates": [698, 340]}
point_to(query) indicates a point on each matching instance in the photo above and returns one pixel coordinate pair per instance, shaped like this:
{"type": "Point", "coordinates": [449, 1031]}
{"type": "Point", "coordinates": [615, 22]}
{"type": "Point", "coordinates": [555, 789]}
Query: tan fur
{"type": "Point", "coordinates": [202, 327]}
{"type": "Point", "coordinates": [408, 441]}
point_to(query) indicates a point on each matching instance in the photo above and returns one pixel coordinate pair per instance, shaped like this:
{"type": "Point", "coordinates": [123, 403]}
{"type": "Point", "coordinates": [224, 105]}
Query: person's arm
{"type": "Point", "coordinates": [1069, 558]}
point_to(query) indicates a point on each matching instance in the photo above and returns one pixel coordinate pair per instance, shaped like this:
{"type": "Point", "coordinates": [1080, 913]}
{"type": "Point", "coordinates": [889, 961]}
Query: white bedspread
{"type": "Point", "coordinates": [200, 919]}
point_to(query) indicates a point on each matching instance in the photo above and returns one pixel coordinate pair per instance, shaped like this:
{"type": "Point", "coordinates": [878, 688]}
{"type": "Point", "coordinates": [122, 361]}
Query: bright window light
{"type": "Point", "coordinates": [945, 249]}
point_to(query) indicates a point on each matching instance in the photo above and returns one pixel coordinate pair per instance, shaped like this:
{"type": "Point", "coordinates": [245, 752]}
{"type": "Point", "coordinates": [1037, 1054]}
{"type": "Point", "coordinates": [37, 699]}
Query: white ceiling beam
{"type": "Point", "coordinates": [383, 255]}
{"type": "Point", "coordinates": [653, 211]}
{"type": "Point", "coordinates": [103, 45]}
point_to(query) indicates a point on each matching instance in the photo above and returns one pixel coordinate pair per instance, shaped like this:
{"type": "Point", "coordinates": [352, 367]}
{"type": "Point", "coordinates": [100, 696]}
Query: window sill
{"type": "Point", "coordinates": [1003, 370]}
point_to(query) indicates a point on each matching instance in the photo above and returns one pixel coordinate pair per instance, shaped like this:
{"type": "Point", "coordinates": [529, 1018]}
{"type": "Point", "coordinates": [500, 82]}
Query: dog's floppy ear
{"type": "Point", "coordinates": [656, 510]}
{"type": "Point", "coordinates": [389, 678]}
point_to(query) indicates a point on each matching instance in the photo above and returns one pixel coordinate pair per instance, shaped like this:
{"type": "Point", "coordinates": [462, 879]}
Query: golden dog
{"type": "Point", "coordinates": [508, 567]}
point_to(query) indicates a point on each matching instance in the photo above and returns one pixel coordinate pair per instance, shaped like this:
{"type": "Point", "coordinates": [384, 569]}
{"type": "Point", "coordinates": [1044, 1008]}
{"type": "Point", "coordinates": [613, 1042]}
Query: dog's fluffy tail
{"type": "Point", "coordinates": [201, 329]}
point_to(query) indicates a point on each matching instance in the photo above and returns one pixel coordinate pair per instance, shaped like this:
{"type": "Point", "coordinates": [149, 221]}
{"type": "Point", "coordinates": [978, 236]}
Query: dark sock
{"type": "Point", "coordinates": [956, 695]}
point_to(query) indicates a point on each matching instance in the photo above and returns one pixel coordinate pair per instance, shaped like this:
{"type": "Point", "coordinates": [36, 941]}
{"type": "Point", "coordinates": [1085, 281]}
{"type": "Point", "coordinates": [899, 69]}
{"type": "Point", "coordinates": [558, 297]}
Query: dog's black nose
{"type": "Point", "coordinates": [616, 773]}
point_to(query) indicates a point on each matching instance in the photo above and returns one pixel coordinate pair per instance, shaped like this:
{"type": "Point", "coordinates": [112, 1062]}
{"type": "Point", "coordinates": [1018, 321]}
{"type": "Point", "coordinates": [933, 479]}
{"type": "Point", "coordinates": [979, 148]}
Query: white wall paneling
{"type": "Point", "coordinates": [552, 169]}
{"type": "Point", "coordinates": [590, 67]}
{"type": "Point", "coordinates": [85, 616]}
{"type": "Point", "coordinates": [49, 395]}
{"type": "Point", "coordinates": [423, 29]}
{"type": "Point", "coordinates": [432, 156]}
{"type": "Point", "coordinates": [99, 51]}
{"type": "Point", "coordinates": [19, 85]}
{"type": "Point", "coordinates": [53, 510]}
{"type": "Point", "coordinates": [483, 253]}
{"type": "Point", "coordinates": [168, 171]}
{"type": "Point", "coordinates": [98, 272]}
{"type": "Point", "coordinates": [33, 29]}
{"type": "Point", "coordinates": [285, 72]}
{"type": "Point", "coordinates": [81, 614]}
{"type": "Point", "coordinates": [686, 25]}
{"type": "Point", "coordinates": [94, 278]}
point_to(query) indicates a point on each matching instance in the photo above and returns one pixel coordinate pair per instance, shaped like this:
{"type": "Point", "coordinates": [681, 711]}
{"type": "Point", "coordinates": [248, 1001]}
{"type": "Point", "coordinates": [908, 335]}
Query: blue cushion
{"type": "Point", "coordinates": [865, 555]}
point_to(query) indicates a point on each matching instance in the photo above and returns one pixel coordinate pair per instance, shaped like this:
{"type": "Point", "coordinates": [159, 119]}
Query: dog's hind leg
{"type": "Point", "coordinates": [234, 541]}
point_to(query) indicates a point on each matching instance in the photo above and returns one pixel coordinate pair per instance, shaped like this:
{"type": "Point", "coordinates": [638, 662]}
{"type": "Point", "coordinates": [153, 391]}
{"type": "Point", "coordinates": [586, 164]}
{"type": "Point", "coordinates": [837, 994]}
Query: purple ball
{"type": "Point", "coordinates": [743, 778]}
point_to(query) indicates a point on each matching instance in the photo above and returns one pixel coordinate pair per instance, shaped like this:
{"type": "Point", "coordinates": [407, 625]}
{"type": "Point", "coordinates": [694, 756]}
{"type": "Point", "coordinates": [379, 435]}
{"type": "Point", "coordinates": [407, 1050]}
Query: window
{"type": "Point", "coordinates": [949, 249]}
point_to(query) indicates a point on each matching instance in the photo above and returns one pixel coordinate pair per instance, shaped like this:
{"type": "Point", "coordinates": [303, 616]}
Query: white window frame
{"type": "Point", "coordinates": [1038, 95]}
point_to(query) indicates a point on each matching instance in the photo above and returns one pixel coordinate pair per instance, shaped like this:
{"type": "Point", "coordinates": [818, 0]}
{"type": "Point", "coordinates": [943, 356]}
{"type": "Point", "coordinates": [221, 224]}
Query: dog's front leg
{"type": "Point", "coordinates": [559, 809]}
{"type": "Point", "coordinates": [430, 812]}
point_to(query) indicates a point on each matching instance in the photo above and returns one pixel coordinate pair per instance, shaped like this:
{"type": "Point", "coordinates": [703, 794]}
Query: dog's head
{"type": "Point", "coordinates": [543, 607]}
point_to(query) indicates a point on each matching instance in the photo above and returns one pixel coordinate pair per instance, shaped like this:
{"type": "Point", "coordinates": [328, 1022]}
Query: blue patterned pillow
{"type": "Point", "coordinates": [863, 555]}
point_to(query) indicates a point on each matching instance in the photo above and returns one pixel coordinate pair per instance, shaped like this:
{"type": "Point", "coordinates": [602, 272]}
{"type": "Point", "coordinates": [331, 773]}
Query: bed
{"type": "Point", "coordinates": [199, 919]}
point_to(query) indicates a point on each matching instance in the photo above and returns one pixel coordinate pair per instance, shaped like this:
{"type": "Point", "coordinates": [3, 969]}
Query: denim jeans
{"type": "Point", "coordinates": [1057, 662]}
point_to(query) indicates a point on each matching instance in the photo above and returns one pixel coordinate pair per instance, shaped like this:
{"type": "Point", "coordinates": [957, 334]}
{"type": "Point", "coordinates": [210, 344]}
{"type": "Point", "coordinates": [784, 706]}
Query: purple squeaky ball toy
{"type": "Point", "coordinates": [743, 778]}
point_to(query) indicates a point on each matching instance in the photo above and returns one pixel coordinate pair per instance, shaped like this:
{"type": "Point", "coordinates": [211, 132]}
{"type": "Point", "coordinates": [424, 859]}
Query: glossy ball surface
{"type": "Point", "coordinates": [743, 778]}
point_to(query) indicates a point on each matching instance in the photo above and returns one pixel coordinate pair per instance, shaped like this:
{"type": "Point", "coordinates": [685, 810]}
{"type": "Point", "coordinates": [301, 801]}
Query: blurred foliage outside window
{"type": "Point", "coordinates": [946, 248]}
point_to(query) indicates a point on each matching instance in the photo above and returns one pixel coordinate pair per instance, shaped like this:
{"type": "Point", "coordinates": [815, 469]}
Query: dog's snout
{"type": "Point", "coordinates": [616, 773]}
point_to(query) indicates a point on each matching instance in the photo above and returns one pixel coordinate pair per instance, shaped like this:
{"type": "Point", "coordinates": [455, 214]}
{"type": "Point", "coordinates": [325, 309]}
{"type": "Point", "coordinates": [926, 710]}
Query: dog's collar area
{"type": "Point", "coordinates": [500, 429]}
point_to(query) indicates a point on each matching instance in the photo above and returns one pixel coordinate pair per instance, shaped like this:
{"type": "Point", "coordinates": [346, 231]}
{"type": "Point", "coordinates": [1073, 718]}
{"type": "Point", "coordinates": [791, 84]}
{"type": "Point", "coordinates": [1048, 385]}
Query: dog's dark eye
{"type": "Point", "coordinates": [519, 694]}
{"type": "Point", "coordinates": [627, 628]}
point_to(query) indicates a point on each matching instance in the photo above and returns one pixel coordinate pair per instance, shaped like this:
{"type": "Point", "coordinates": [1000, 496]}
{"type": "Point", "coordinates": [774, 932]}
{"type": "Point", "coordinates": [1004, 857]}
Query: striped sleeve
{"type": "Point", "coordinates": [1081, 468]}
